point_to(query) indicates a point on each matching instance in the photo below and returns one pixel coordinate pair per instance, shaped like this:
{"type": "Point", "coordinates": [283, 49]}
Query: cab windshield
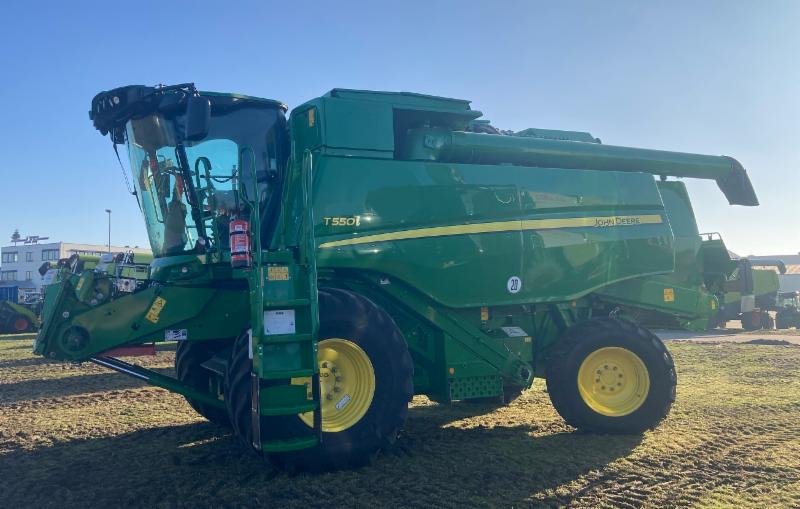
{"type": "Point", "coordinates": [244, 145]}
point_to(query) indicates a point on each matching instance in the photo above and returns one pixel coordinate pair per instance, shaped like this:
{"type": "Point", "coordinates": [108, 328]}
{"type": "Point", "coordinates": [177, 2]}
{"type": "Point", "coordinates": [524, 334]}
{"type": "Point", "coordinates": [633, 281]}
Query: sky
{"type": "Point", "coordinates": [715, 77]}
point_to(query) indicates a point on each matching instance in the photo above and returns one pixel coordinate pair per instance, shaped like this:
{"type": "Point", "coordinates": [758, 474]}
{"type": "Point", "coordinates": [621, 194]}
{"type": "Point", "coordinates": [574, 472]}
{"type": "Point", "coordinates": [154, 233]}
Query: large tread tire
{"type": "Point", "coordinates": [344, 315]}
{"type": "Point", "coordinates": [188, 359]}
{"type": "Point", "coordinates": [751, 321]}
{"type": "Point", "coordinates": [511, 393]}
{"type": "Point", "coordinates": [584, 338]}
{"type": "Point", "coordinates": [787, 319]}
{"type": "Point", "coordinates": [780, 321]}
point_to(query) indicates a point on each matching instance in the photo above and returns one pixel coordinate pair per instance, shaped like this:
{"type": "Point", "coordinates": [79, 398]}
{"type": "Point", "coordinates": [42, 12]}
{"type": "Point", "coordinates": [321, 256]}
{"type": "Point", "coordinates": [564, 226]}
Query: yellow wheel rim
{"type": "Point", "coordinates": [347, 384]}
{"type": "Point", "coordinates": [613, 381]}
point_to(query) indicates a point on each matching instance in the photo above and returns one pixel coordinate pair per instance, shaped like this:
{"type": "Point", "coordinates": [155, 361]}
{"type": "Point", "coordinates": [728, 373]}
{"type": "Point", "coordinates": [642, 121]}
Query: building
{"type": "Point", "coordinates": [20, 261]}
{"type": "Point", "coordinates": [789, 282]}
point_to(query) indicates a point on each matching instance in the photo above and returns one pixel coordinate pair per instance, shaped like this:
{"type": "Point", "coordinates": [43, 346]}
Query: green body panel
{"type": "Point", "coordinates": [483, 248]}
{"type": "Point", "coordinates": [555, 263]}
{"type": "Point", "coordinates": [685, 297]}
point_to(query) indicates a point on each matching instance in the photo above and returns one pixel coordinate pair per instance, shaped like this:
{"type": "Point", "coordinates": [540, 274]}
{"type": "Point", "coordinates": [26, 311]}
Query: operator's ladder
{"type": "Point", "coordinates": [285, 321]}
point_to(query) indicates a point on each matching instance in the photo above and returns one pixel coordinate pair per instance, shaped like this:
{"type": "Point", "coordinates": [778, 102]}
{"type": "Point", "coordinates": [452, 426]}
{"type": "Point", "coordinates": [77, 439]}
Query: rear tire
{"type": "Point", "coordinates": [785, 319]}
{"type": "Point", "coordinates": [349, 316]}
{"type": "Point", "coordinates": [751, 320]}
{"type": "Point", "coordinates": [189, 357]}
{"type": "Point", "coordinates": [604, 349]}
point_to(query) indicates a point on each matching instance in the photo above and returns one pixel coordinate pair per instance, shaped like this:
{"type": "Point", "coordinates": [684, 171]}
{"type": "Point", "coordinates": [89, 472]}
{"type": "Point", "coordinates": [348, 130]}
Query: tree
{"type": "Point", "coordinates": [16, 237]}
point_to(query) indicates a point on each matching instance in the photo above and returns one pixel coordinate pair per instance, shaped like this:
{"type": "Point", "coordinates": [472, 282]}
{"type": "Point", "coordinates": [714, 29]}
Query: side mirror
{"type": "Point", "coordinates": [198, 118]}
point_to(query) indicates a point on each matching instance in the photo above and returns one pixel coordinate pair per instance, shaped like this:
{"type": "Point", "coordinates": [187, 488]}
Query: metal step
{"type": "Point", "coordinates": [289, 410]}
{"type": "Point", "coordinates": [289, 373]}
{"type": "Point", "coordinates": [289, 444]}
{"type": "Point", "coordinates": [281, 304]}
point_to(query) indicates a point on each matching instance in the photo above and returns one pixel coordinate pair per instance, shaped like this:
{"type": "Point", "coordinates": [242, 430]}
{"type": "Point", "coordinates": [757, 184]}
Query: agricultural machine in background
{"type": "Point", "coordinates": [16, 317]}
{"type": "Point", "coordinates": [788, 314]}
{"type": "Point", "coordinates": [317, 272]}
{"type": "Point", "coordinates": [751, 294]}
{"type": "Point", "coordinates": [20, 313]}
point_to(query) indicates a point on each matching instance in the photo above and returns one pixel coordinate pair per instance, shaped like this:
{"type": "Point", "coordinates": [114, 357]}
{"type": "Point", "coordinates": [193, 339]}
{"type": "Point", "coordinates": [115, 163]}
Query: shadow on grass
{"type": "Point", "coordinates": [21, 363]}
{"type": "Point", "coordinates": [27, 390]}
{"type": "Point", "coordinates": [200, 464]}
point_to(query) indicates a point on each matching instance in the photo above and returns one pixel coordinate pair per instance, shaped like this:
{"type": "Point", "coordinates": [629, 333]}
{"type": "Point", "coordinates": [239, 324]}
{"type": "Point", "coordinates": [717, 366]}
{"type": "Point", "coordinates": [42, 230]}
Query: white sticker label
{"type": "Point", "coordinates": [343, 402]}
{"type": "Point", "coordinates": [514, 332]}
{"type": "Point", "coordinates": [176, 334]}
{"type": "Point", "coordinates": [279, 321]}
{"type": "Point", "coordinates": [514, 284]}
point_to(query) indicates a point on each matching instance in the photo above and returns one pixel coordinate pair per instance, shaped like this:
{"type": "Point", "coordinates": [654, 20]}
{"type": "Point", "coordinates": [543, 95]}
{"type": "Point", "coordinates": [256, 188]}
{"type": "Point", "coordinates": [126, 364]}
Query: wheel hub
{"type": "Point", "coordinates": [20, 324]}
{"type": "Point", "coordinates": [613, 381]}
{"type": "Point", "coordinates": [347, 384]}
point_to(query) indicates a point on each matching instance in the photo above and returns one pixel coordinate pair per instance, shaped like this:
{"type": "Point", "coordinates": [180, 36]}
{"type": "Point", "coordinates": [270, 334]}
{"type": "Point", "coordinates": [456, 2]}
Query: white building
{"type": "Point", "coordinates": [21, 261]}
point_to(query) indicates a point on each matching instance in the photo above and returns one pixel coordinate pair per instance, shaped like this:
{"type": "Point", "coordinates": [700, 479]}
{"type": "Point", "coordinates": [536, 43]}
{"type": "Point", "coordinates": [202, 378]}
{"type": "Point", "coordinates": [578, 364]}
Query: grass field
{"type": "Point", "coordinates": [77, 436]}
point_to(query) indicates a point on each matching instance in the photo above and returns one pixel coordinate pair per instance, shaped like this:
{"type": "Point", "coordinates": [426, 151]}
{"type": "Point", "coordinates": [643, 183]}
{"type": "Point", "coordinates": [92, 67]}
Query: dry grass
{"type": "Point", "coordinates": [77, 436]}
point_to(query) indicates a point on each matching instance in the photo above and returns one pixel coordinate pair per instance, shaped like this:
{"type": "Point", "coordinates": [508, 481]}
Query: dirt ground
{"type": "Point", "coordinates": [79, 436]}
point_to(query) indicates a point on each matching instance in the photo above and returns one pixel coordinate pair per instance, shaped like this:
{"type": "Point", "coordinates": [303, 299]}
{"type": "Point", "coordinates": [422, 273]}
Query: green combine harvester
{"type": "Point", "coordinates": [318, 271]}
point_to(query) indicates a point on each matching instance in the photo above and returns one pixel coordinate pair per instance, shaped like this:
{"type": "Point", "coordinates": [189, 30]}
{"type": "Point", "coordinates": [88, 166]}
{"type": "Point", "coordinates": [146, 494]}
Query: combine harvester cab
{"type": "Point", "coordinates": [319, 271]}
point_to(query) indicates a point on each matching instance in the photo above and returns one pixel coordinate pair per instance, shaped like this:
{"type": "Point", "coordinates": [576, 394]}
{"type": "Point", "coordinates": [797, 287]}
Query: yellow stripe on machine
{"type": "Point", "coordinates": [501, 226]}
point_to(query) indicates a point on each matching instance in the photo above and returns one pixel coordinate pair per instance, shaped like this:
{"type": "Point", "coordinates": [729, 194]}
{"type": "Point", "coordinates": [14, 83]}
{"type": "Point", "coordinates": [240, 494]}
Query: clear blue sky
{"type": "Point", "coordinates": [708, 77]}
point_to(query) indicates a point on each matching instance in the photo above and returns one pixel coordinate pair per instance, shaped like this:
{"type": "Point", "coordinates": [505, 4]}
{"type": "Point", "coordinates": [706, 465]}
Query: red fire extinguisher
{"type": "Point", "coordinates": [240, 243]}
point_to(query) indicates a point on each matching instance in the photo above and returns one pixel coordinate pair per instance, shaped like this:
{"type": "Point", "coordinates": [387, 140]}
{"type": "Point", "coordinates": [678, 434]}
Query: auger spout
{"type": "Point", "coordinates": [439, 144]}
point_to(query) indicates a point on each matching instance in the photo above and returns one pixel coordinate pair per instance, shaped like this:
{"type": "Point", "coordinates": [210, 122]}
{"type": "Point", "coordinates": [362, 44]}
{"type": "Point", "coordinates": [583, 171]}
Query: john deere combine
{"type": "Point", "coordinates": [319, 271]}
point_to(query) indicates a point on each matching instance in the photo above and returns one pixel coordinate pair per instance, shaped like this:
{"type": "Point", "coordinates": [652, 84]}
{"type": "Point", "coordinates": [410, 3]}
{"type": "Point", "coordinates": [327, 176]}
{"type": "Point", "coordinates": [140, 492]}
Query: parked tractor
{"type": "Point", "coordinates": [319, 271]}
{"type": "Point", "coordinates": [788, 314]}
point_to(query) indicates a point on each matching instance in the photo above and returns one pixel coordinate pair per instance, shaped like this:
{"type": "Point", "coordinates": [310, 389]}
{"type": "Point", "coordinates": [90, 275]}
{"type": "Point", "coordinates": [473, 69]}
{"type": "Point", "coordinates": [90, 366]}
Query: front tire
{"type": "Point", "coordinates": [352, 322]}
{"type": "Point", "coordinates": [612, 376]}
